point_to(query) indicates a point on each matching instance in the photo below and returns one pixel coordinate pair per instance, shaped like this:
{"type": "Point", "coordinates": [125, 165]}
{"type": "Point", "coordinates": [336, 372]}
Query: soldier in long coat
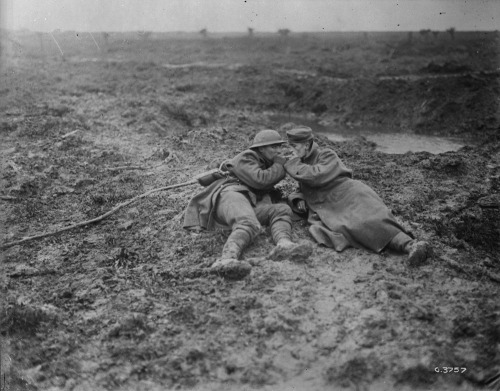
{"type": "Point", "coordinates": [343, 212]}
{"type": "Point", "coordinates": [242, 203]}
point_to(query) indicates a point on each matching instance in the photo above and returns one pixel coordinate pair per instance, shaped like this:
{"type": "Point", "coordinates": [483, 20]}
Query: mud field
{"type": "Point", "coordinates": [127, 303]}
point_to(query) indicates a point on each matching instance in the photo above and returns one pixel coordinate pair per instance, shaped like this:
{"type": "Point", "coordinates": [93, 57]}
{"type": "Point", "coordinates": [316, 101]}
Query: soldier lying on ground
{"type": "Point", "coordinates": [343, 212]}
{"type": "Point", "coordinates": [242, 203]}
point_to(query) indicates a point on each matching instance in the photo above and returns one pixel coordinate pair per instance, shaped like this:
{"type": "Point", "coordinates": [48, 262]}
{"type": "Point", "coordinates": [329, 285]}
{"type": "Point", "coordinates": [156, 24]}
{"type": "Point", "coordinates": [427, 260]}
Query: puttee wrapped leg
{"type": "Point", "coordinates": [281, 232]}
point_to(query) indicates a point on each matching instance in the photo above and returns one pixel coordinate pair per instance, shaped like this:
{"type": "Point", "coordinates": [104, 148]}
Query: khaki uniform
{"type": "Point", "coordinates": [242, 201]}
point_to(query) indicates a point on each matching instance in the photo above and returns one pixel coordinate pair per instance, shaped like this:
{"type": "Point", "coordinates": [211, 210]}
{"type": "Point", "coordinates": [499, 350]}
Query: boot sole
{"type": "Point", "coordinates": [418, 256]}
{"type": "Point", "coordinates": [299, 253]}
{"type": "Point", "coordinates": [234, 270]}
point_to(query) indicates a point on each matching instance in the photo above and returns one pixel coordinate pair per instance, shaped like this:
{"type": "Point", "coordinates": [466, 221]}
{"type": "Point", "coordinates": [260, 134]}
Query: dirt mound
{"type": "Point", "coordinates": [446, 68]}
{"type": "Point", "coordinates": [130, 303]}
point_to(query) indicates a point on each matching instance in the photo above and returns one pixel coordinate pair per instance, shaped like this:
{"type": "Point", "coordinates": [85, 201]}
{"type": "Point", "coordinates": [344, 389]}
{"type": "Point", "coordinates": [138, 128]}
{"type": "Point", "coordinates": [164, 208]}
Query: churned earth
{"type": "Point", "coordinates": [128, 303]}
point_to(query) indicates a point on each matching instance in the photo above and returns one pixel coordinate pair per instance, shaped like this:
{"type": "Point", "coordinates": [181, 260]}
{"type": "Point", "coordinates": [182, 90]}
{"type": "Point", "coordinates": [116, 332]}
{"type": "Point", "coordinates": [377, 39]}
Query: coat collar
{"type": "Point", "coordinates": [312, 153]}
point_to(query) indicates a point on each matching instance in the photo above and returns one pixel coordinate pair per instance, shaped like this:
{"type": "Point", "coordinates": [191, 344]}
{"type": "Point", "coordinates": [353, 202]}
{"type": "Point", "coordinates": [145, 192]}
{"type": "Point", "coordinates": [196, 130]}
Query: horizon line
{"type": "Point", "coordinates": [239, 32]}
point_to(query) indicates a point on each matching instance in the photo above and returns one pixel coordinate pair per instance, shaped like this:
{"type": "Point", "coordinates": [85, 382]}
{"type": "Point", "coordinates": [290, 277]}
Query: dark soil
{"type": "Point", "coordinates": [128, 303]}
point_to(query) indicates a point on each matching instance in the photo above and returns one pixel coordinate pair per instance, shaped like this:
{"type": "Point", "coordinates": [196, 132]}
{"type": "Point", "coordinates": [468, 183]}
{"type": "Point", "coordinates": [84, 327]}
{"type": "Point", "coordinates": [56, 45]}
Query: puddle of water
{"type": "Point", "coordinates": [387, 142]}
{"type": "Point", "coordinates": [401, 143]}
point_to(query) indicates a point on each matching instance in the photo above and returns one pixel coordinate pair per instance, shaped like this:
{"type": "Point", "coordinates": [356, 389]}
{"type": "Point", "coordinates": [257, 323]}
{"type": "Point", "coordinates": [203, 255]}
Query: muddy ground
{"type": "Point", "coordinates": [127, 304]}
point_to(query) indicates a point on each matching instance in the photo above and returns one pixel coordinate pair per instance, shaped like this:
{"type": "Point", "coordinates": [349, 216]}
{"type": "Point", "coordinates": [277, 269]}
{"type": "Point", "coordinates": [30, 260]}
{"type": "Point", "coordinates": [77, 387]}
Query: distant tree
{"type": "Point", "coordinates": [144, 35]}
{"type": "Point", "coordinates": [105, 36]}
{"type": "Point", "coordinates": [435, 33]}
{"type": "Point", "coordinates": [204, 32]}
{"type": "Point", "coordinates": [8, 44]}
{"type": "Point", "coordinates": [451, 31]}
{"type": "Point", "coordinates": [410, 36]}
{"type": "Point", "coordinates": [425, 33]}
{"type": "Point", "coordinates": [250, 32]}
{"type": "Point", "coordinates": [8, 36]}
{"type": "Point", "coordinates": [284, 32]}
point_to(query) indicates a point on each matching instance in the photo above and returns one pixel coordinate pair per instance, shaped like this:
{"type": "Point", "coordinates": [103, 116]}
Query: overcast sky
{"type": "Point", "coordinates": [238, 15]}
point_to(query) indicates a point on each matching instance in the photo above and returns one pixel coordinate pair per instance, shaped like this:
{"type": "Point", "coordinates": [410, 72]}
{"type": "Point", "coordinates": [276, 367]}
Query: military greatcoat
{"type": "Point", "coordinates": [250, 173]}
{"type": "Point", "coordinates": [343, 212]}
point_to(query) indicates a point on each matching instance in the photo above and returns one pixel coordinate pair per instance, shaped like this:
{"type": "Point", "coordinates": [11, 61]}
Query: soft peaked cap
{"type": "Point", "coordinates": [300, 134]}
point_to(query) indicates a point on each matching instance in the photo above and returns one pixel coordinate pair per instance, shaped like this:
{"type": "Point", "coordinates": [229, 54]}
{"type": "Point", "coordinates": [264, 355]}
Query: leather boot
{"type": "Point", "coordinates": [418, 252]}
{"type": "Point", "coordinates": [228, 265]}
{"type": "Point", "coordinates": [285, 248]}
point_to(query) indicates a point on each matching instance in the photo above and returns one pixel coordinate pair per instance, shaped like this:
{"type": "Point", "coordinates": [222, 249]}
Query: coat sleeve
{"type": "Point", "coordinates": [326, 168]}
{"type": "Point", "coordinates": [250, 171]}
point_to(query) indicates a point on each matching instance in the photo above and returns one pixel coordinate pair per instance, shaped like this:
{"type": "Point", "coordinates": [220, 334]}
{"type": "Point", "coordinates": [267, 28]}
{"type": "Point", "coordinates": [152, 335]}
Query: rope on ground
{"type": "Point", "coordinates": [100, 218]}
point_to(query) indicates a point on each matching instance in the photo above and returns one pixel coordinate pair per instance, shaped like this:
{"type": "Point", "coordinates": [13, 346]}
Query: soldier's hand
{"type": "Point", "coordinates": [301, 205]}
{"type": "Point", "coordinates": [280, 159]}
{"type": "Point", "coordinates": [294, 153]}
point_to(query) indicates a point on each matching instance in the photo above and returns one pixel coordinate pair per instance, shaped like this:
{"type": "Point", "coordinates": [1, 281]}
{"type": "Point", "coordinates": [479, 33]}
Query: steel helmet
{"type": "Point", "coordinates": [267, 137]}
